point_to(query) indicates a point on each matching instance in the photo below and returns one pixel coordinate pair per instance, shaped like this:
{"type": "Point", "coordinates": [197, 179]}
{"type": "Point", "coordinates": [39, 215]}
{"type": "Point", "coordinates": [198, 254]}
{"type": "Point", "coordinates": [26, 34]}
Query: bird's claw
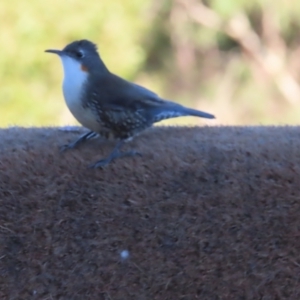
{"type": "Point", "coordinates": [130, 153]}
{"type": "Point", "coordinates": [87, 136]}
{"type": "Point", "coordinates": [104, 162]}
{"type": "Point", "coordinates": [99, 164]}
{"type": "Point", "coordinates": [66, 147]}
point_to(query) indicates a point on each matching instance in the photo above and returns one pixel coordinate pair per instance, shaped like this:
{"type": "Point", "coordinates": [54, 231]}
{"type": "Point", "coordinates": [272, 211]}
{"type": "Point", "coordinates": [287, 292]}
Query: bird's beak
{"type": "Point", "coordinates": [58, 52]}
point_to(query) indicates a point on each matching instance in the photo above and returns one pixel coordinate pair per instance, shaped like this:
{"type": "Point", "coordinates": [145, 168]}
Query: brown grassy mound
{"type": "Point", "coordinates": [206, 213]}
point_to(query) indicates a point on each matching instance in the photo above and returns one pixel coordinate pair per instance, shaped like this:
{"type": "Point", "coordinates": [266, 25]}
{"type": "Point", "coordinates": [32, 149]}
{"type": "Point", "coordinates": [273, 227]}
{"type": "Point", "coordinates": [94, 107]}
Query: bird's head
{"type": "Point", "coordinates": [81, 56]}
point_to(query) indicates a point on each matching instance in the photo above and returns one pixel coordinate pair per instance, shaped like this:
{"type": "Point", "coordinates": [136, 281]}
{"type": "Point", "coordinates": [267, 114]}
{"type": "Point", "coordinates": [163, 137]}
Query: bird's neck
{"type": "Point", "coordinates": [99, 65]}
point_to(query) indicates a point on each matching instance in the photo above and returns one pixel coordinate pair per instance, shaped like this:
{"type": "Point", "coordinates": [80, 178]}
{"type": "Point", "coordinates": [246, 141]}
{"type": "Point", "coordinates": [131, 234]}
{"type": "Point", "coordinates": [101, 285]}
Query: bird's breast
{"type": "Point", "coordinates": [73, 93]}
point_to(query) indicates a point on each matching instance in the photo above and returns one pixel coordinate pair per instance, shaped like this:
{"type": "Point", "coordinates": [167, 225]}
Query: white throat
{"type": "Point", "coordinates": [74, 80]}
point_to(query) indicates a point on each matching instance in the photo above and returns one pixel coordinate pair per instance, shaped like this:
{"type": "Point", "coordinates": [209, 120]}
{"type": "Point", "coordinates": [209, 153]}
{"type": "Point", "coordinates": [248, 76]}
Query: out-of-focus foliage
{"type": "Point", "coordinates": [237, 59]}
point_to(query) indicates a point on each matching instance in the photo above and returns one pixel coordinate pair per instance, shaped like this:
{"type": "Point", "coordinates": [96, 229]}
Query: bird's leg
{"type": "Point", "coordinates": [113, 155]}
{"type": "Point", "coordinates": [79, 141]}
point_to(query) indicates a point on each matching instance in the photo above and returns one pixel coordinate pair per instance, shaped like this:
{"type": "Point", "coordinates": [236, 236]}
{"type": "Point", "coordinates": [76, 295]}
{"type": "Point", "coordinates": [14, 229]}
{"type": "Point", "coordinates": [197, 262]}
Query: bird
{"type": "Point", "coordinates": [107, 104]}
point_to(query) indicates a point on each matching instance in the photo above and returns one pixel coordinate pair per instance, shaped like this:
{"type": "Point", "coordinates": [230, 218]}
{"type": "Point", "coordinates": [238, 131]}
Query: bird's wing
{"type": "Point", "coordinates": [127, 96]}
{"type": "Point", "coordinates": [123, 106]}
{"type": "Point", "coordinates": [127, 107]}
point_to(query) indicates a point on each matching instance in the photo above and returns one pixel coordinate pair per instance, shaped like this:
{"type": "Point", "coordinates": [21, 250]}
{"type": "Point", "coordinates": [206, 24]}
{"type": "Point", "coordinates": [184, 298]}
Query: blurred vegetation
{"type": "Point", "coordinates": [238, 59]}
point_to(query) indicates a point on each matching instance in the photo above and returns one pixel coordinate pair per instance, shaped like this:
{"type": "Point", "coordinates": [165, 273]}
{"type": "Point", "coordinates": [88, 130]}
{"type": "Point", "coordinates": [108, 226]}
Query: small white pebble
{"type": "Point", "coordinates": [124, 254]}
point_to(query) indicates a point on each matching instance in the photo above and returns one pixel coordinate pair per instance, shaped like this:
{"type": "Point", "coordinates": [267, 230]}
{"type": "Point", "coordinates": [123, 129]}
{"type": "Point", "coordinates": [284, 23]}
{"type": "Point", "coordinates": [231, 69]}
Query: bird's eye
{"type": "Point", "coordinates": [79, 54]}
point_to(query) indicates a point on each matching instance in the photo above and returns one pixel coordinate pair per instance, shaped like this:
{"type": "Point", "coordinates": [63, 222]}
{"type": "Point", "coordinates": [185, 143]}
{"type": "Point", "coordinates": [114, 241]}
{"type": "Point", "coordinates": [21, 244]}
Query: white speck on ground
{"type": "Point", "coordinates": [124, 254]}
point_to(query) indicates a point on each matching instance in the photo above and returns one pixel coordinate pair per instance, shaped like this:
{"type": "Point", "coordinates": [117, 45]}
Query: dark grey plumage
{"type": "Point", "coordinates": [121, 108]}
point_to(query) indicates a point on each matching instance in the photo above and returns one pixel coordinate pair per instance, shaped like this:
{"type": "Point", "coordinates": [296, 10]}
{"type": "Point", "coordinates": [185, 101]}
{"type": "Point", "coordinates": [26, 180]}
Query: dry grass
{"type": "Point", "coordinates": [206, 213]}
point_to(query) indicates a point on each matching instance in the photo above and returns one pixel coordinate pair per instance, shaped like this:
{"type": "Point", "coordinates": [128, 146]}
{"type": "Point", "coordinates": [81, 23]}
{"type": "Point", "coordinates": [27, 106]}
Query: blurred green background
{"type": "Point", "coordinates": [238, 59]}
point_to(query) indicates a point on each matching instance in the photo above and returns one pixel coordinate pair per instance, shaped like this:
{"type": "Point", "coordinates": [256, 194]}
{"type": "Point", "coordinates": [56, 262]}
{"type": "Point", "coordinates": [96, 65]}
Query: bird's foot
{"type": "Point", "coordinates": [105, 161]}
{"type": "Point", "coordinates": [79, 141]}
{"type": "Point", "coordinates": [67, 147]}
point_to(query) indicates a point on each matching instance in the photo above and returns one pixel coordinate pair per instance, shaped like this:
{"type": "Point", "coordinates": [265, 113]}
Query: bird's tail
{"type": "Point", "coordinates": [173, 110]}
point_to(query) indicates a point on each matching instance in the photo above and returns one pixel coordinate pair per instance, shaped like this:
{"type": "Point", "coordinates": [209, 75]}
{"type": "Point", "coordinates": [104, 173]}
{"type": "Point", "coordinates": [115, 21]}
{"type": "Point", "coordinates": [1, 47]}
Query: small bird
{"type": "Point", "coordinates": [108, 105]}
